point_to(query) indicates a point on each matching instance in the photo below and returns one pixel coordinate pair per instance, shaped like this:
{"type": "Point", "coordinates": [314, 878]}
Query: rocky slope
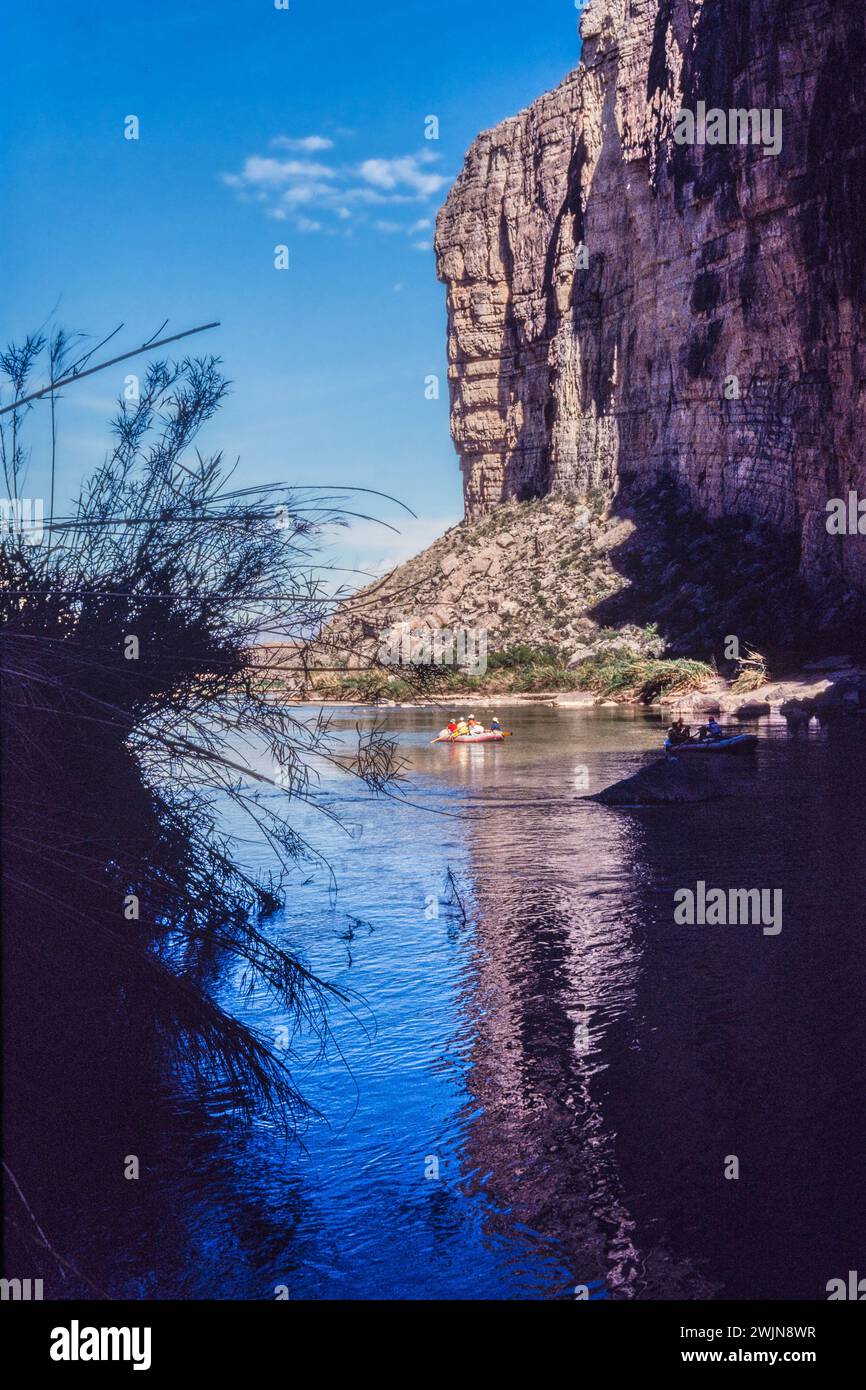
{"type": "Point", "coordinates": [652, 577]}
{"type": "Point", "coordinates": [530, 572]}
{"type": "Point", "coordinates": [716, 333]}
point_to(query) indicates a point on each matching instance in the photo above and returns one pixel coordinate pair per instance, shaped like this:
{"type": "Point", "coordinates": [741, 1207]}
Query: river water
{"type": "Point", "coordinates": [540, 1079]}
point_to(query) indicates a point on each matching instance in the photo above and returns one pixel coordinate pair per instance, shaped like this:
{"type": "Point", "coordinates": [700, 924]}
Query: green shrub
{"type": "Point", "coordinates": [522, 654]}
{"type": "Point", "coordinates": [620, 675]}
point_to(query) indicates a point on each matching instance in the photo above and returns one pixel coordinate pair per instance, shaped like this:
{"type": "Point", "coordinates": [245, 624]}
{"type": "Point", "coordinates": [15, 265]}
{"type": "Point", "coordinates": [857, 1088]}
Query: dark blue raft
{"type": "Point", "coordinates": [738, 743]}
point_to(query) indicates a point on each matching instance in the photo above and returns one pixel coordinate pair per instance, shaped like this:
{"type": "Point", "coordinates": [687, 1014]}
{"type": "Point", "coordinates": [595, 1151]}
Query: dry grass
{"type": "Point", "coordinates": [751, 672]}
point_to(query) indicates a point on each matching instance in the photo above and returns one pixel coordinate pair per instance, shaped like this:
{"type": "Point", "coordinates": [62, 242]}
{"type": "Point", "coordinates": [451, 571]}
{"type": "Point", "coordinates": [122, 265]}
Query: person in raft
{"type": "Point", "coordinates": [679, 732]}
{"type": "Point", "coordinates": [714, 729]}
{"type": "Point", "coordinates": [451, 726]}
{"type": "Point", "coordinates": [495, 725]}
{"type": "Point", "coordinates": [474, 726]}
{"type": "Point", "coordinates": [462, 728]}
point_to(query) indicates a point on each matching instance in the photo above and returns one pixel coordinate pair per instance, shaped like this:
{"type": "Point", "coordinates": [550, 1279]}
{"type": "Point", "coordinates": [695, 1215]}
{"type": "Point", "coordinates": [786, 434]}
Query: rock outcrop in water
{"type": "Point", "coordinates": [668, 781]}
{"type": "Point", "coordinates": [623, 307]}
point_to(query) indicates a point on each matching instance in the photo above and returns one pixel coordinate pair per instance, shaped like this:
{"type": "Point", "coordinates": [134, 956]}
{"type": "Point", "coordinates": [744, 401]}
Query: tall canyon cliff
{"type": "Point", "coordinates": [623, 307]}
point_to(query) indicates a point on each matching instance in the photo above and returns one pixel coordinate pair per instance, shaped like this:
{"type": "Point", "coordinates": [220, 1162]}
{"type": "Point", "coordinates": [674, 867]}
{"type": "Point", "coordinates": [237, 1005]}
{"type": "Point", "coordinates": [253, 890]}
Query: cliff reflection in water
{"type": "Point", "coordinates": [702, 1043]}
{"type": "Point", "coordinates": [552, 1004]}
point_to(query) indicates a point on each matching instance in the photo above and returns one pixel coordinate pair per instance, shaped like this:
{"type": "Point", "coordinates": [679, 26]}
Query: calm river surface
{"type": "Point", "coordinates": [546, 1094]}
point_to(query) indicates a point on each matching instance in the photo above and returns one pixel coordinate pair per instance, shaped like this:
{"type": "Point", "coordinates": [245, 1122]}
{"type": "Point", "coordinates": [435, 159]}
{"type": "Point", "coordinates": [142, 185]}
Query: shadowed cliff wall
{"type": "Point", "coordinates": [705, 264]}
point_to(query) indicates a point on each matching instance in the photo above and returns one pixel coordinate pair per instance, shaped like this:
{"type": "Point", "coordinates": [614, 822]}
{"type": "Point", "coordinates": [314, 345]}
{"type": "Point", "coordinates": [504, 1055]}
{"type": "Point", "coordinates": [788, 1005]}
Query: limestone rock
{"type": "Point", "coordinates": [579, 656]}
{"type": "Point", "coordinates": [752, 709]}
{"type": "Point", "coordinates": [716, 332]}
{"type": "Point", "coordinates": [692, 704]}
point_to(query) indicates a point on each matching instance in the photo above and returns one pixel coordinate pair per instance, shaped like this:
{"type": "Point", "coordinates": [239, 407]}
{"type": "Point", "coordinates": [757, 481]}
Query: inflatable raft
{"type": "Point", "coordinates": [487, 737]}
{"type": "Point", "coordinates": [739, 743]}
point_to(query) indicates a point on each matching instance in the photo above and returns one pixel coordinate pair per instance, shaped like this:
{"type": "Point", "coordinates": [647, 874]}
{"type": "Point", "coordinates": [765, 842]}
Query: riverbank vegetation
{"type": "Point", "coordinates": [135, 712]}
{"type": "Point", "coordinates": [522, 670]}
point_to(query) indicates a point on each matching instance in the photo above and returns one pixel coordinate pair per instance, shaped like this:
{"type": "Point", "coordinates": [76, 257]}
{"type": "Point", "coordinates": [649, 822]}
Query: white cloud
{"type": "Point", "coordinates": [263, 173]}
{"type": "Point", "coordinates": [422, 246]}
{"type": "Point", "coordinates": [303, 192]}
{"type": "Point", "coordinates": [310, 192]}
{"type": "Point", "coordinates": [309, 144]}
{"type": "Point", "coordinates": [403, 173]}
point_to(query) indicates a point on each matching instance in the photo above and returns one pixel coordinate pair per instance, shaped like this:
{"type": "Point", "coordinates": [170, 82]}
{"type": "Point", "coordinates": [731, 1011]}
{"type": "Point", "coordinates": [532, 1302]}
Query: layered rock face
{"type": "Point", "coordinates": [623, 306]}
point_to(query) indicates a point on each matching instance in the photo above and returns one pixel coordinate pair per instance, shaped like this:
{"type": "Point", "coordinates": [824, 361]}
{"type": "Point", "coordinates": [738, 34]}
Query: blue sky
{"type": "Point", "coordinates": [261, 127]}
